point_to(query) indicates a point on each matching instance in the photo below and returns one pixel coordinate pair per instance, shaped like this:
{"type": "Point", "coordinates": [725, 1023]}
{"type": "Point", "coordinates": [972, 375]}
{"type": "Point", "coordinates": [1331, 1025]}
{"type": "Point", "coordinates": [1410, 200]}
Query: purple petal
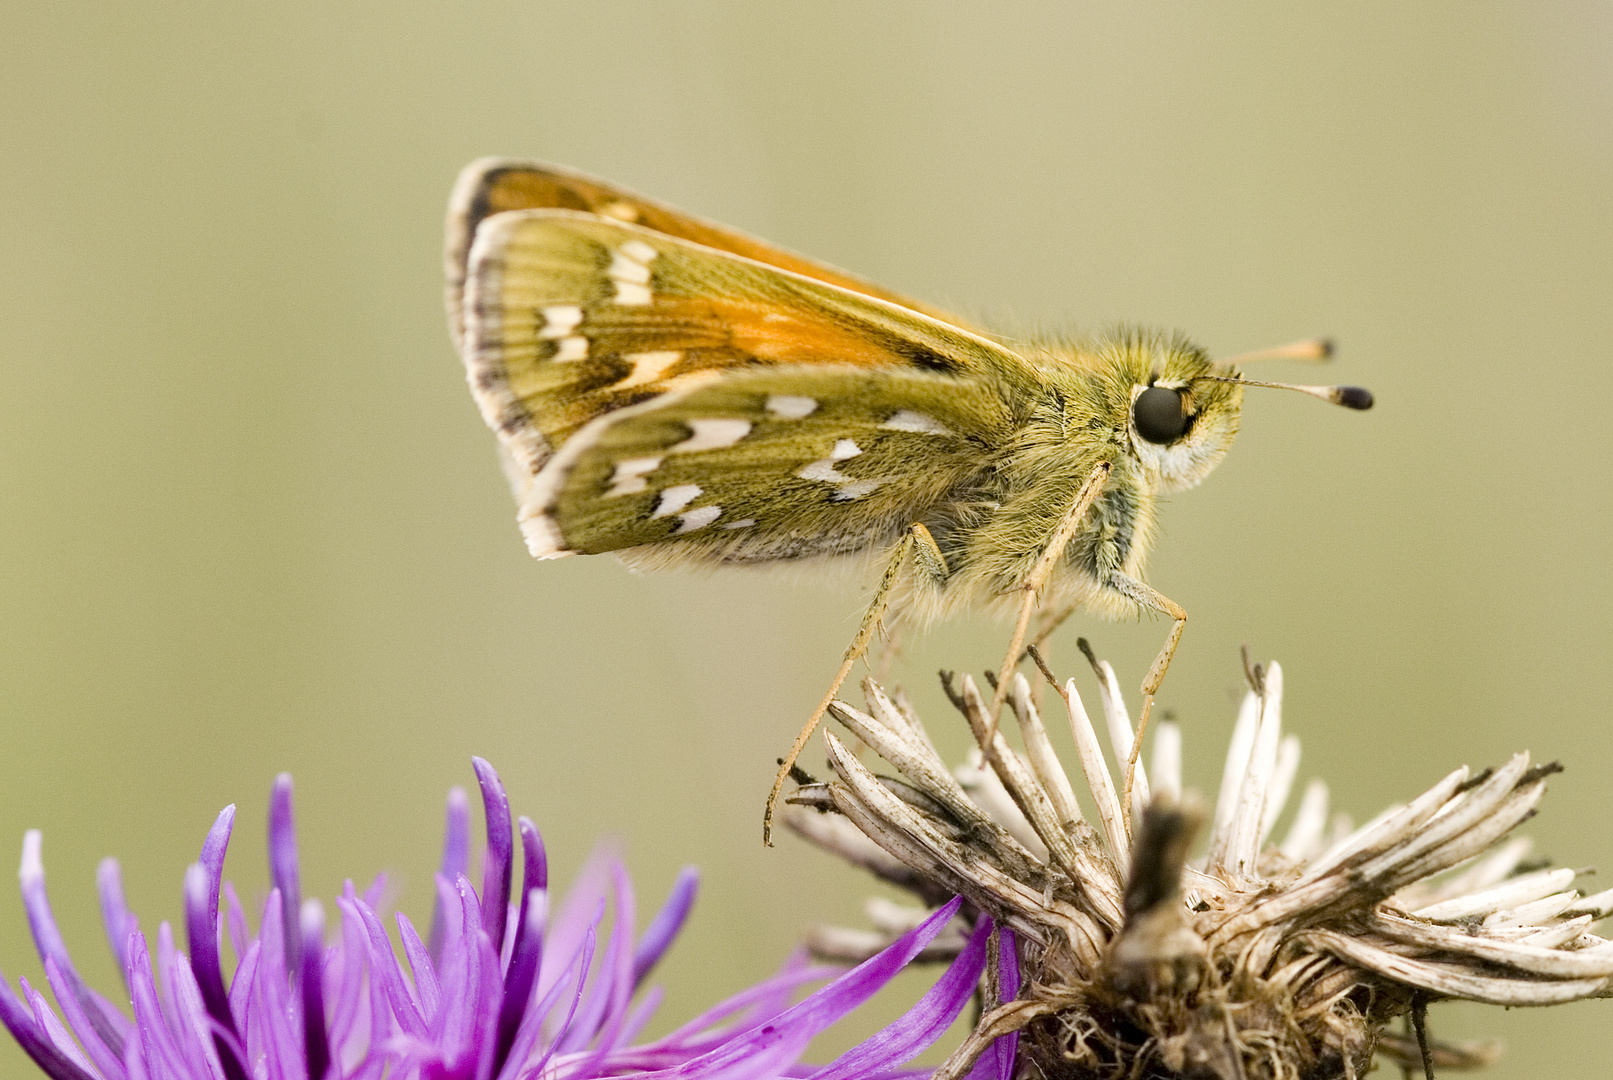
{"type": "Point", "coordinates": [167, 957]}
{"type": "Point", "coordinates": [606, 1006]}
{"type": "Point", "coordinates": [26, 1030]}
{"type": "Point", "coordinates": [202, 885]}
{"type": "Point", "coordinates": [780, 989]}
{"type": "Point", "coordinates": [496, 866]}
{"type": "Point", "coordinates": [454, 970]}
{"type": "Point", "coordinates": [192, 1026]}
{"type": "Point", "coordinates": [201, 925]}
{"type": "Point", "coordinates": [53, 1028]}
{"type": "Point", "coordinates": [768, 1048]}
{"type": "Point", "coordinates": [114, 912]}
{"type": "Point", "coordinates": [760, 1002]}
{"type": "Point", "coordinates": [585, 961]}
{"type": "Point", "coordinates": [469, 993]}
{"type": "Point", "coordinates": [458, 970]}
{"type": "Point", "coordinates": [241, 987]}
{"type": "Point", "coordinates": [384, 967]}
{"type": "Point", "coordinates": [240, 936]}
{"type": "Point", "coordinates": [666, 924]}
{"type": "Point", "coordinates": [271, 1035]}
{"type": "Point", "coordinates": [283, 872]}
{"type": "Point", "coordinates": [350, 995]}
{"type": "Point", "coordinates": [455, 857]}
{"type": "Point", "coordinates": [375, 894]}
{"type": "Point", "coordinates": [316, 1040]}
{"type": "Point", "coordinates": [580, 912]}
{"type": "Point", "coordinates": [522, 976]}
{"type": "Point", "coordinates": [640, 1014]}
{"type": "Point", "coordinates": [532, 1023]}
{"type": "Point", "coordinates": [425, 975]}
{"type": "Point", "coordinates": [1005, 1048]}
{"type": "Point", "coordinates": [107, 1062]}
{"type": "Point", "coordinates": [924, 1023]}
{"type": "Point", "coordinates": [48, 941]}
{"type": "Point", "coordinates": [384, 1024]}
{"type": "Point", "coordinates": [163, 1056]}
{"type": "Point", "coordinates": [215, 846]}
{"type": "Point", "coordinates": [534, 887]}
{"type": "Point", "coordinates": [486, 985]}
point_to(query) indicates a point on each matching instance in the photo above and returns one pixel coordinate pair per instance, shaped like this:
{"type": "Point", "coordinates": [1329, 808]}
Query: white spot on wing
{"type": "Point", "coordinates": [822, 470]}
{"type": "Point", "coordinates": [742, 523]}
{"type": "Point", "coordinates": [628, 477]}
{"type": "Point", "coordinates": [648, 366]}
{"type": "Point", "coordinates": [630, 295]}
{"type": "Point", "coordinates": [790, 406]}
{"type": "Point", "coordinates": [630, 271]}
{"type": "Point", "coordinates": [625, 268]}
{"type": "Point", "coordinates": [712, 435]}
{"type": "Point", "coordinates": [908, 420]}
{"type": "Point", "coordinates": [639, 251]}
{"type": "Point", "coordinates": [697, 519]}
{"type": "Point", "coordinates": [574, 347]}
{"type": "Point", "coordinates": [676, 498]}
{"type": "Point", "coordinates": [559, 320]}
{"type": "Point", "coordinates": [856, 489]}
{"type": "Point", "coordinates": [846, 488]}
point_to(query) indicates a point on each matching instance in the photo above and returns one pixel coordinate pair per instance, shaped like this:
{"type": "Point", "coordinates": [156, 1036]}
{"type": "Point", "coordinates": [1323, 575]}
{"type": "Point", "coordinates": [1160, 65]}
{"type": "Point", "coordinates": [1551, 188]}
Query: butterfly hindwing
{"type": "Point", "coordinates": [570, 316]}
{"type": "Point", "coordinates": [763, 464]}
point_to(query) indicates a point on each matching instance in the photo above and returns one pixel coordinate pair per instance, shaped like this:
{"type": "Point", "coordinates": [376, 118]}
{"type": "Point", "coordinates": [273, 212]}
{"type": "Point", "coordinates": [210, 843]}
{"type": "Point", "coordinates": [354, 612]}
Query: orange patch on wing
{"type": "Point", "coordinates": [777, 336]}
{"type": "Point", "coordinates": [519, 187]}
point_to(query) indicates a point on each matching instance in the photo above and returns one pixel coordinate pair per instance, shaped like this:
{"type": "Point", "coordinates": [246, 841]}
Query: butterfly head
{"type": "Point", "coordinates": [1177, 423]}
{"type": "Point", "coordinates": [1182, 407]}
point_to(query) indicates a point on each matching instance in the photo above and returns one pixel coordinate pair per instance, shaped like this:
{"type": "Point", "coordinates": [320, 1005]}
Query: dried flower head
{"type": "Point", "coordinates": [1249, 960]}
{"type": "Point", "coordinates": [496, 989]}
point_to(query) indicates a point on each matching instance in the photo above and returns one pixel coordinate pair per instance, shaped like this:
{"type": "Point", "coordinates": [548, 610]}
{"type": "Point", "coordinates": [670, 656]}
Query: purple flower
{"type": "Point", "coordinates": [496, 989]}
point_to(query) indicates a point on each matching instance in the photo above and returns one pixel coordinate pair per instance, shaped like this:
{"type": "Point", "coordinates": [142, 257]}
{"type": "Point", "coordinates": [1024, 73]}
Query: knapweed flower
{"type": "Point", "coordinates": [1250, 960]}
{"type": "Point", "coordinates": [494, 990]}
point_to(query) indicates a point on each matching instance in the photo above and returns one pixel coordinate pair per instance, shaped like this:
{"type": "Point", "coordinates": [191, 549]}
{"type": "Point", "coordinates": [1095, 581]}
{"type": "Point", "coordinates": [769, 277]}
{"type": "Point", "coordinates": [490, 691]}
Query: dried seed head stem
{"type": "Point", "coordinates": [1248, 960]}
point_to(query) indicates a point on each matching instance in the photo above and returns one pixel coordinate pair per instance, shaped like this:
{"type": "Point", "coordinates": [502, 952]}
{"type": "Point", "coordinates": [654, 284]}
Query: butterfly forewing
{"type": "Point", "coordinates": [494, 185]}
{"type": "Point", "coordinates": [653, 390]}
{"type": "Point", "coordinates": [570, 316]}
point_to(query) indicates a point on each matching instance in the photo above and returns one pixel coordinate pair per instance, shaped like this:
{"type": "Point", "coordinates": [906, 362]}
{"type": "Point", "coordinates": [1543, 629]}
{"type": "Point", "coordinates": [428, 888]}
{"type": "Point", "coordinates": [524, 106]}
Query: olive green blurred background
{"type": "Point", "coordinates": [250, 520]}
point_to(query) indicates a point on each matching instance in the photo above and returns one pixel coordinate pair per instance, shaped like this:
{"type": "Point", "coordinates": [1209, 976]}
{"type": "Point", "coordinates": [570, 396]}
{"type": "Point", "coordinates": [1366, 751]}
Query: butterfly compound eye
{"type": "Point", "coordinates": [1158, 414]}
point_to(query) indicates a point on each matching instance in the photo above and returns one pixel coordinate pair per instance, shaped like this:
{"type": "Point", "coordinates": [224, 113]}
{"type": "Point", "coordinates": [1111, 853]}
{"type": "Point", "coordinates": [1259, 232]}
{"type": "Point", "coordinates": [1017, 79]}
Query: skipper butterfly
{"type": "Point", "coordinates": [679, 393]}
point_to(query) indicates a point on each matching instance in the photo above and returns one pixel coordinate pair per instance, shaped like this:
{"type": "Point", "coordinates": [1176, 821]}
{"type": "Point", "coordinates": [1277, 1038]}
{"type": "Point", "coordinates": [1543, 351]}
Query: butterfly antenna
{"type": "Point", "coordinates": [1351, 397]}
{"type": "Point", "coordinates": [1314, 349]}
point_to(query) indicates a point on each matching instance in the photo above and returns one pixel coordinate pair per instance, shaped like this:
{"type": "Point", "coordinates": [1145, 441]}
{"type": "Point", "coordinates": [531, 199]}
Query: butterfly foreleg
{"type": "Point", "coordinates": [931, 565]}
{"type": "Point", "coordinates": [916, 542]}
{"type": "Point", "coordinates": [1145, 596]}
{"type": "Point", "coordinates": [1031, 587]}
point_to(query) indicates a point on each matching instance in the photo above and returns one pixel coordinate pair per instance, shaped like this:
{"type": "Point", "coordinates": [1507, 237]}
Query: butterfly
{"type": "Point", "coordinates": [679, 393]}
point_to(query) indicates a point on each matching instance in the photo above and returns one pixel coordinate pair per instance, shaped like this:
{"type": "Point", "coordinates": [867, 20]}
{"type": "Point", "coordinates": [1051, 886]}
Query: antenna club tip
{"type": "Point", "coordinates": [1354, 397]}
{"type": "Point", "coordinates": [1325, 348]}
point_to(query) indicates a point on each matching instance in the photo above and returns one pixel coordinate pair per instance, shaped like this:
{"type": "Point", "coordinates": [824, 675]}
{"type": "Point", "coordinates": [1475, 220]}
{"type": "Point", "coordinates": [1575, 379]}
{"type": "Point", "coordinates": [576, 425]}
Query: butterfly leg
{"type": "Point", "coordinates": [916, 542]}
{"type": "Point", "coordinates": [1049, 620]}
{"type": "Point", "coordinates": [1034, 581]}
{"type": "Point", "coordinates": [1147, 597]}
